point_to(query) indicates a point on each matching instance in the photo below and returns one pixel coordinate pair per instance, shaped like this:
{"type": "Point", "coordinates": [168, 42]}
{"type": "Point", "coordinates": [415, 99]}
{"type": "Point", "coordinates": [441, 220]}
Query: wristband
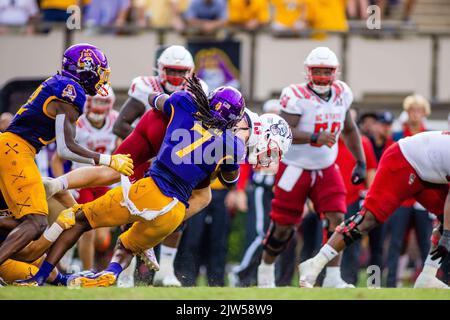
{"type": "Point", "coordinates": [105, 160]}
{"type": "Point", "coordinates": [155, 99]}
{"type": "Point", "coordinates": [314, 137]}
{"type": "Point", "coordinates": [52, 233]}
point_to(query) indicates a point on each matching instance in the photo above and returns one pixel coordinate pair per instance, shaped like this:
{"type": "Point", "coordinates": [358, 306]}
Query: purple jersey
{"type": "Point", "coordinates": [190, 152]}
{"type": "Point", "coordinates": [33, 123]}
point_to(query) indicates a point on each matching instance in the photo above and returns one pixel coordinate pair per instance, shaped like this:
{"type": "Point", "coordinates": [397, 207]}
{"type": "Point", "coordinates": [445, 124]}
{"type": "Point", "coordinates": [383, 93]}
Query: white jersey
{"type": "Point", "coordinates": [317, 115]}
{"type": "Point", "coordinates": [429, 154]}
{"type": "Point", "coordinates": [142, 86]}
{"type": "Point", "coordinates": [101, 140]}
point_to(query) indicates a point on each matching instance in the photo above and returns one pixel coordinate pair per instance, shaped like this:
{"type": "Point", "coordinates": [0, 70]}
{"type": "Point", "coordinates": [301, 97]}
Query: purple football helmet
{"type": "Point", "coordinates": [87, 65]}
{"type": "Point", "coordinates": [227, 104]}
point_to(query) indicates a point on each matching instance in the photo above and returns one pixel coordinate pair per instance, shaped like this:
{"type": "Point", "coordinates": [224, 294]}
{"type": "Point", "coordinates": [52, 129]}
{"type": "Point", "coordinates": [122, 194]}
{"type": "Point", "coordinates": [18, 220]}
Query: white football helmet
{"type": "Point", "coordinates": [321, 57]}
{"type": "Point", "coordinates": [273, 142]}
{"type": "Point", "coordinates": [174, 64]}
{"type": "Point", "coordinates": [98, 107]}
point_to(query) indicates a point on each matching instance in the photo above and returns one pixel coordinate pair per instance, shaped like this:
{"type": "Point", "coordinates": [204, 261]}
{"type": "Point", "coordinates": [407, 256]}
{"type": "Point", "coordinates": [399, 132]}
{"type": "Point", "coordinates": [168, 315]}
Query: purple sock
{"type": "Point", "coordinates": [43, 273]}
{"type": "Point", "coordinates": [115, 268]}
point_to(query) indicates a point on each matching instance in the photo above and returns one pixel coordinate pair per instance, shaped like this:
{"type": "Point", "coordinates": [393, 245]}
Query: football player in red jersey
{"type": "Point", "coordinates": [317, 112]}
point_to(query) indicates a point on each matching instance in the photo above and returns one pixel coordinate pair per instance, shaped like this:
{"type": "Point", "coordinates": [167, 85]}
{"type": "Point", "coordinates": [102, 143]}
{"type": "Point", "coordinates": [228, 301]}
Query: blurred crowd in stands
{"type": "Point", "coordinates": [201, 16]}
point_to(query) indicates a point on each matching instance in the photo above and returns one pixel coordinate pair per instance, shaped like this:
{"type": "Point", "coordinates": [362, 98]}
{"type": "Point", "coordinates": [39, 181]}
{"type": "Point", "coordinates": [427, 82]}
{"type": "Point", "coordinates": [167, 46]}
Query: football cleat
{"type": "Point", "coordinates": [101, 279]}
{"type": "Point", "coordinates": [336, 283]}
{"type": "Point", "coordinates": [149, 258]}
{"type": "Point", "coordinates": [3, 283]}
{"type": "Point", "coordinates": [167, 281]}
{"type": "Point", "coordinates": [308, 273]}
{"type": "Point", "coordinates": [72, 281]}
{"type": "Point", "coordinates": [266, 276]}
{"type": "Point", "coordinates": [429, 281]}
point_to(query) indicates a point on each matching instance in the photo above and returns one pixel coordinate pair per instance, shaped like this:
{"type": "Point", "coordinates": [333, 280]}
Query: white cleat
{"type": "Point", "coordinates": [126, 278]}
{"type": "Point", "coordinates": [429, 281]}
{"type": "Point", "coordinates": [336, 283]}
{"type": "Point", "coordinates": [167, 280]}
{"type": "Point", "coordinates": [308, 273]}
{"type": "Point", "coordinates": [266, 276]}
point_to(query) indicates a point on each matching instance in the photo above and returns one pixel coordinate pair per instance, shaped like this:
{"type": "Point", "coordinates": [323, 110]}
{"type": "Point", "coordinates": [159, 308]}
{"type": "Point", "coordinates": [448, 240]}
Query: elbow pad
{"type": "Point", "coordinates": [62, 148]}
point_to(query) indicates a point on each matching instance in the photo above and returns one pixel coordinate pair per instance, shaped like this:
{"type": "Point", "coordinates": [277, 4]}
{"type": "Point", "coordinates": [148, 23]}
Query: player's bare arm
{"type": "Point", "coordinates": [130, 111]}
{"type": "Point", "coordinates": [302, 137]}
{"type": "Point", "coordinates": [68, 148]}
{"type": "Point", "coordinates": [352, 139]}
{"type": "Point", "coordinates": [157, 100]}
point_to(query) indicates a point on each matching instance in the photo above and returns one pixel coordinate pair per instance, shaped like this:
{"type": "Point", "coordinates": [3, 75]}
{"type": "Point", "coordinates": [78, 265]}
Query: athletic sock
{"type": "Point", "coordinates": [325, 255]}
{"type": "Point", "coordinates": [44, 272]}
{"type": "Point", "coordinates": [167, 258]}
{"type": "Point", "coordinates": [333, 272]}
{"type": "Point", "coordinates": [267, 265]}
{"type": "Point", "coordinates": [115, 268]}
{"type": "Point", "coordinates": [431, 266]}
{"type": "Point", "coordinates": [168, 252]}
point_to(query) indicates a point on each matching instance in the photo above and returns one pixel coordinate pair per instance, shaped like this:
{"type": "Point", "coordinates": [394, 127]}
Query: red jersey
{"type": "Point", "coordinates": [144, 141]}
{"type": "Point", "coordinates": [346, 163]}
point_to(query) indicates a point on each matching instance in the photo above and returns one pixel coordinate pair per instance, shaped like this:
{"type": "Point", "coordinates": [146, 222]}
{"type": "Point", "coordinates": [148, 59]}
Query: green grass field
{"type": "Point", "coordinates": [207, 293]}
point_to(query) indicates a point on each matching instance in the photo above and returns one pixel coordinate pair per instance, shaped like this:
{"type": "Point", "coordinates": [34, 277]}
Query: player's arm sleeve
{"type": "Point", "coordinates": [65, 130]}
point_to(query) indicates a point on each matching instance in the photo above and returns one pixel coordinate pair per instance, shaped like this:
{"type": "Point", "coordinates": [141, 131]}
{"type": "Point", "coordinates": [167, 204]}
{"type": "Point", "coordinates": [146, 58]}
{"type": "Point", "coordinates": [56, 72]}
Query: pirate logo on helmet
{"type": "Point", "coordinates": [86, 60]}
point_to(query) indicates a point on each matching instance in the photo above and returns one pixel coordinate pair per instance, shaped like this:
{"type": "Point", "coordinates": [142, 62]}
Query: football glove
{"type": "Point", "coordinates": [359, 173]}
{"type": "Point", "coordinates": [120, 162]}
{"type": "Point", "coordinates": [443, 247]}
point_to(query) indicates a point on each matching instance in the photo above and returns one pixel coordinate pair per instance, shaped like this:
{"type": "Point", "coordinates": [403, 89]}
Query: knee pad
{"type": "Point", "coordinates": [349, 228]}
{"type": "Point", "coordinates": [274, 246]}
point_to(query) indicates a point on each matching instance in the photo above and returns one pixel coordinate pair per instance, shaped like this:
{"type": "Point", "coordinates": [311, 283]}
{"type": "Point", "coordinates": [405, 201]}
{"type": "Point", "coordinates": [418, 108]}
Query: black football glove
{"type": "Point", "coordinates": [359, 173]}
{"type": "Point", "coordinates": [443, 247]}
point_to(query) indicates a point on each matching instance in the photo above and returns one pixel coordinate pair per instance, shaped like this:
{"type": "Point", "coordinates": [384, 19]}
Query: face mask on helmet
{"type": "Point", "coordinates": [321, 78]}
{"type": "Point", "coordinates": [273, 142]}
{"type": "Point", "coordinates": [98, 107]}
{"type": "Point", "coordinates": [266, 158]}
{"type": "Point", "coordinates": [96, 117]}
{"type": "Point", "coordinates": [173, 78]}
